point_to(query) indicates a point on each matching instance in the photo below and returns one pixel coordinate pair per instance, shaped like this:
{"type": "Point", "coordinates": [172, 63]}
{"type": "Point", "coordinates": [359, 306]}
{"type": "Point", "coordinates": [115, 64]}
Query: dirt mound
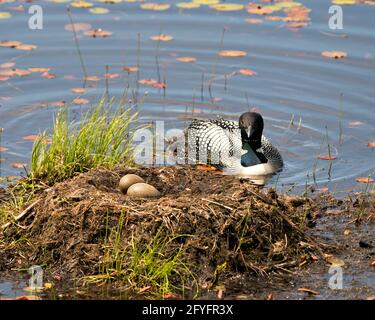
{"type": "Point", "coordinates": [216, 219]}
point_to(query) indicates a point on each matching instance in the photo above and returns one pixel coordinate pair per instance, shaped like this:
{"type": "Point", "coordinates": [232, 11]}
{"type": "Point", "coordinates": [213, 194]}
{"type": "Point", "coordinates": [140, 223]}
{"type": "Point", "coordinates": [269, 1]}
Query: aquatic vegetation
{"type": "Point", "coordinates": [186, 59]}
{"type": "Point", "coordinates": [155, 6]}
{"type": "Point", "coordinates": [247, 72]}
{"type": "Point", "coordinates": [334, 54]}
{"type": "Point", "coordinates": [101, 138]}
{"type": "Point", "coordinates": [232, 53]}
{"type": "Point", "coordinates": [98, 33]}
{"type": "Point", "coordinates": [17, 45]}
{"type": "Point", "coordinates": [162, 37]}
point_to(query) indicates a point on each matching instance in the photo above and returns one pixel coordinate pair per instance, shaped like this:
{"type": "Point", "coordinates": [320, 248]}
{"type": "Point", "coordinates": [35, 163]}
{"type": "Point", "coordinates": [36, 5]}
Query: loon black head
{"type": "Point", "coordinates": [251, 125]}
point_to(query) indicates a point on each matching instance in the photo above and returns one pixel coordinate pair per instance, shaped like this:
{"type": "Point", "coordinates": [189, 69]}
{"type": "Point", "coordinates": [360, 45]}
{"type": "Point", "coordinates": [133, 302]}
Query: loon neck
{"type": "Point", "coordinates": [254, 145]}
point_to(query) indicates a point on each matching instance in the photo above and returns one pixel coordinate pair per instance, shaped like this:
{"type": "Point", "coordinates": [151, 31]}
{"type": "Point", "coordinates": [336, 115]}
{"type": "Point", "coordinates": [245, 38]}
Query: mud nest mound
{"type": "Point", "coordinates": [216, 219]}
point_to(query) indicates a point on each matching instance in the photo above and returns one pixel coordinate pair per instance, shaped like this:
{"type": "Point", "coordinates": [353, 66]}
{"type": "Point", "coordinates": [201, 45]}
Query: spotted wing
{"type": "Point", "coordinates": [216, 142]}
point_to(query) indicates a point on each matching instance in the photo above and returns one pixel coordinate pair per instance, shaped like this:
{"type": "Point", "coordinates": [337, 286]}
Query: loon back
{"type": "Point", "coordinates": [218, 142]}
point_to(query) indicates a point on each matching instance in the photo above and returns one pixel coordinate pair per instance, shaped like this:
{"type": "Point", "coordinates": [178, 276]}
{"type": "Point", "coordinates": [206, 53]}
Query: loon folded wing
{"type": "Point", "coordinates": [271, 153]}
{"type": "Point", "coordinates": [216, 142]}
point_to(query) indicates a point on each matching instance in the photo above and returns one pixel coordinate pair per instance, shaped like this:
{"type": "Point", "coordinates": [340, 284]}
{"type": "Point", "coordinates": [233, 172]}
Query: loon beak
{"type": "Point", "coordinates": [248, 130]}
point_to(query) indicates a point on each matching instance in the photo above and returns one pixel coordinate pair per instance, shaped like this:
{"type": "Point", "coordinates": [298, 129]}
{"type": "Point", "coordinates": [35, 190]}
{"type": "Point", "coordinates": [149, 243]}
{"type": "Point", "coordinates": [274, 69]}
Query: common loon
{"type": "Point", "coordinates": [237, 148]}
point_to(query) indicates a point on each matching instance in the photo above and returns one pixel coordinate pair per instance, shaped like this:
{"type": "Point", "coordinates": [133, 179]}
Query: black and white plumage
{"type": "Point", "coordinates": [238, 148]}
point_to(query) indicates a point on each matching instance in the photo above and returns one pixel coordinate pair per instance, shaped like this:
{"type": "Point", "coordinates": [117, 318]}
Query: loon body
{"type": "Point", "coordinates": [237, 148]}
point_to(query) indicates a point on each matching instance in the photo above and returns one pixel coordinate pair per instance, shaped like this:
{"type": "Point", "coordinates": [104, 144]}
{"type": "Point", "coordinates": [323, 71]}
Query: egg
{"type": "Point", "coordinates": [143, 190]}
{"type": "Point", "coordinates": [128, 180]}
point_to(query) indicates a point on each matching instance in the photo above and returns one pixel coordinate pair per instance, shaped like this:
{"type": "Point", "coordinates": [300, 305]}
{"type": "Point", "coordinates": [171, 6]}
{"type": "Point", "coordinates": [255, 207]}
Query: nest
{"type": "Point", "coordinates": [216, 219]}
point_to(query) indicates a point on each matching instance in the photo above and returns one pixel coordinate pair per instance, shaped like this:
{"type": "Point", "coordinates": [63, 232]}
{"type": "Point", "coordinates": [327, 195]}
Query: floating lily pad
{"type": "Point", "coordinates": [228, 6]}
{"type": "Point", "coordinates": [247, 72]}
{"type": "Point", "coordinates": [232, 53]}
{"type": "Point", "coordinates": [155, 6]}
{"type": "Point", "coordinates": [98, 10]}
{"type": "Point", "coordinates": [186, 59]}
{"type": "Point", "coordinates": [5, 15]}
{"type": "Point", "coordinates": [187, 5]}
{"type": "Point", "coordinates": [162, 37]}
{"type": "Point", "coordinates": [82, 4]}
{"type": "Point", "coordinates": [334, 54]}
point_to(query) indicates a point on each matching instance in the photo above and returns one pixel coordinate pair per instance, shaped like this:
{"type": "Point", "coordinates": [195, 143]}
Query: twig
{"type": "Point", "coordinates": [218, 204]}
{"type": "Point", "coordinates": [260, 197]}
{"type": "Point", "coordinates": [22, 214]}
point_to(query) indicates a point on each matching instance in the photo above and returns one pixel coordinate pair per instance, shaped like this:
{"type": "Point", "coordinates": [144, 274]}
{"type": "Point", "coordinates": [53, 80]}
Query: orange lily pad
{"type": "Point", "coordinates": [364, 179]}
{"type": "Point", "coordinates": [327, 157]}
{"type": "Point", "coordinates": [2, 149]}
{"type": "Point", "coordinates": [162, 37]}
{"type": "Point", "coordinates": [276, 18]}
{"type": "Point", "coordinates": [81, 101]}
{"type": "Point", "coordinates": [247, 72]}
{"type": "Point", "coordinates": [59, 103]}
{"type": "Point", "coordinates": [82, 4]}
{"type": "Point", "coordinates": [296, 25]}
{"type": "Point", "coordinates": [42, 70]}
{"type": "Point", "coordinates": [92, 78]}
{"type": "Point", "coordinates": [259, 10]}
{"type": "Point", "coordinates": [155, 6]}
{"type": "Point", "coordinates": [14, 72]}
{"type": "Point", "coordinates": [48, 75]}
{"type": "Point", "coordinates": [79, 26]}
{"type": "Point", "coordinates": [9, 44]}
{"type": "Point", "coordinates": [232, 53]}
{"type": "Point", "coordinates": [26, 47]}
{"type": "Point", "coordinates": [253, 20]}
{"type": "Point", "coordinates": [159, 85]}
{"type": "Point", "coordinates": [334, 54]}
{"type": "Point", "coordinates": [186, 59]}
{"type": "Point", "coordinates": [131, 69]}
{"type": "Point", "coordinates": [111, 75]}
{"type": "Point", "coordinates": [371, 144]}
{"type": "Point", "coordinates": [79, 90]}
{"type": "Point", "coordinates": [227, 6]}
{"type": "Point", "coordinates": [31, 137]}
{"type": "Point", "coordinates": [147, 81]}
{"type": "Point", "coordinates": [18, 165]}
{"type": "Point", "coordinates": [7, 65]}
{"type": "Point", "coordinates": [19, 8]}
{"type": "Point", "coordinates": [98, 33]}
{"type": "Point", "coordinates": [3, 78]}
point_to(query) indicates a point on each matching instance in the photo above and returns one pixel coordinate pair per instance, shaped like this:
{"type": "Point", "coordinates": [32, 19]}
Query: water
{"type": "Point", "coordinates": [293, 81]}
{"type": "Point", "coordinates": [11, 287]}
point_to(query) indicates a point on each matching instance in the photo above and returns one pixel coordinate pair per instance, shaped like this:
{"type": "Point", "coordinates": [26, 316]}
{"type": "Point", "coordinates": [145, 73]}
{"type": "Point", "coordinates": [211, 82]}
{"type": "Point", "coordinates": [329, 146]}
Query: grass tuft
{"type": "Point", "coordinates": [102, 138]}
{"type": "Point", "coordinates": [155, 268]}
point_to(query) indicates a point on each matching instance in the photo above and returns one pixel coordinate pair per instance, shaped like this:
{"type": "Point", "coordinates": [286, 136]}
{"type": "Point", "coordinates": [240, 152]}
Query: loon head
{"type": "Point", "coordinates": [251, 125]}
